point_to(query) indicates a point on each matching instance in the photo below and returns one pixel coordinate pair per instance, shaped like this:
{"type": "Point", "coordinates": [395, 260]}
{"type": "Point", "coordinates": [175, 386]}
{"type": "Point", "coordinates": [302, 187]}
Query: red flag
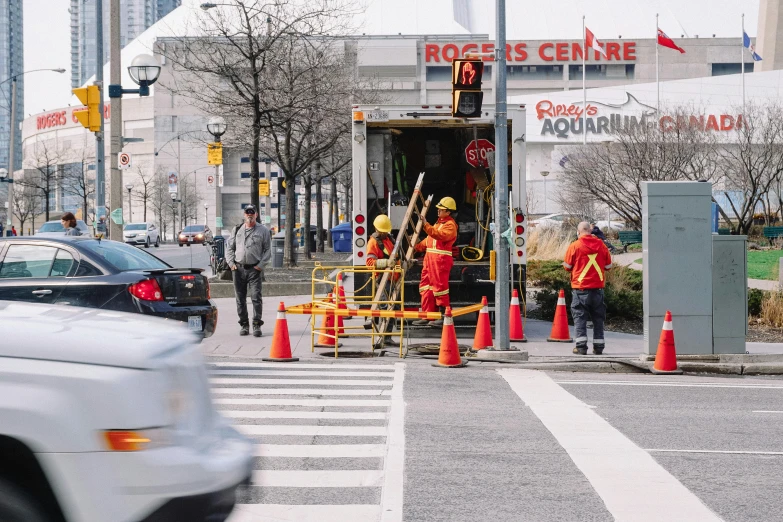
{"type": "Point", "coordinates": [592, 42]}
{"type": "Point", "coordinates": [668, 42]}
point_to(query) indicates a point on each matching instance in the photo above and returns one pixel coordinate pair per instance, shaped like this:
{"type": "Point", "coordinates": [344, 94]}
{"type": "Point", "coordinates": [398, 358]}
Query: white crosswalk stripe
{"type": "Point", "coordinates": [329, 439]}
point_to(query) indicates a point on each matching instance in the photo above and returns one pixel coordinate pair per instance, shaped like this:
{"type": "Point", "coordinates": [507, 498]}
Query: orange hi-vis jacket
{"type": "Point", "coordinates": [438, 260]}
{"type": "Point", "coordinates": [377, 249]}
{"type": "Point", "coordinates": [587, 259]}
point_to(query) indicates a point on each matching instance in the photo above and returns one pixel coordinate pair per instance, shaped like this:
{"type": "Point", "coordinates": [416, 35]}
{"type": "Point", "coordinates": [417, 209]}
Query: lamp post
{"type": "Point", "coordinates": [129, 187]}
{"type": "Point", "coordinates": [12, 141]}
{"type": "Point", "coordinates": [144, 71]}
{"type": "Point", "coordinates": [217, 127]}
{"type": "Point", "coordinates": [544, 174]}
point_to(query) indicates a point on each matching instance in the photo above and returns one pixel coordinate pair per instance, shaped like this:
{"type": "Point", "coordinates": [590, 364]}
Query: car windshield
{"type": "Point", "coordinates": [52, 226]}
{"type": "Point", "coordinates": [136, 227]}
{"type": "Point", "coordinates": [123, 257]}
{"type": "Point", "coordinates": [194, 228]}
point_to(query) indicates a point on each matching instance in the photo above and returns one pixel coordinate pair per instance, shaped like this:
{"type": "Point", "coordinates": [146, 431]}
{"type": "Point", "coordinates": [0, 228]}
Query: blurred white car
{"type": "Point", "coordinates": [141, 234]}
{"type": "Point", "coordinates": [556, 220]}
{"type": "Point", "coordinates": [614, 225]}
{"type": "Point", "coordinates": [107, 416]}
{"type": "Point", "coordinates": [56, 229]}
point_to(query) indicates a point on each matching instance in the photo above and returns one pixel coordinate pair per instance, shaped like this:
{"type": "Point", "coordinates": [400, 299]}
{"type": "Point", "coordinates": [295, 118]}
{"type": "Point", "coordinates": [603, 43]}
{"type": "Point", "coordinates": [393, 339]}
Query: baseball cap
{"type": "Point", "coordinates": [250, 209]}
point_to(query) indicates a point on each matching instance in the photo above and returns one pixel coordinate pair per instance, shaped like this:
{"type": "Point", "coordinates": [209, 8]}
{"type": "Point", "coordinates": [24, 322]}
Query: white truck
{"type": "Point", "coordinates": [392, 144]}
{"type": "Point", "coordinates": [107, 416]}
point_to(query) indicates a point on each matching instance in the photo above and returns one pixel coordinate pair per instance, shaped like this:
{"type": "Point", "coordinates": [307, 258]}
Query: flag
{"type": "Point", "coordinates": [668, 42]}
{"type": "Point", "coordinates": [590, 41]}
{"type": "Point", "coordinates": [746, 43]}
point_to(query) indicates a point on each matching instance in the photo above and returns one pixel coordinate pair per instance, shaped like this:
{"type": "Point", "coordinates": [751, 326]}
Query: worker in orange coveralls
{"type": "Point", "coordinates": [380, 245]}
{"type": "Point", "coordinates": [438, 260]}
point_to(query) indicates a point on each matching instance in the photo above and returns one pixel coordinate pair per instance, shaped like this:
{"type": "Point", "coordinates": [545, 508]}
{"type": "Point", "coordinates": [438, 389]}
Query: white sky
{"type": "Point", "coordinates": [47, 27]}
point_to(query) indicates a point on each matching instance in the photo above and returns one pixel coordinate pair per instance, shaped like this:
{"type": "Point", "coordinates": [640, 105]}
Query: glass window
{"type": "Point", "coordinates": [63, 263]}
{"type": "Point", "coordinates": [52, 226]}
{"type": "Point", "coordinates": [86, 270]}
{"type": "Point", "coordinates": [123, 257]}
{"type": "Point", "coordinates": [27, 261]}
{"type": "Point", "coordinates": [141, 226]}
{"type": "Point", "coordinates": [194, 228]}
{"type": "Point", "coordinates": [721, 69]}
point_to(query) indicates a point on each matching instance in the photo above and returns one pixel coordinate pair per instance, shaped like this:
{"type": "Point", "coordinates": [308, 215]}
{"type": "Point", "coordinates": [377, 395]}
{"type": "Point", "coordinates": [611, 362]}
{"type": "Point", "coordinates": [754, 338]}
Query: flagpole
{"type": "Point", "coordinates": [657, 68]}
{"type": "Point", "coordinates": [742, 61]}
{"type": "Point", "coordinates": [584, 82]}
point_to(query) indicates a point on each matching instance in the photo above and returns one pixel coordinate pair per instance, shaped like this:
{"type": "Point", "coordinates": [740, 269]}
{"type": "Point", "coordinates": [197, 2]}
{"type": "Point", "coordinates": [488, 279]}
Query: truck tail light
{"type": "Point", "coordinates": [359, 231]}
{"type": "Point", "coordinates": [520, 230]}
{"type": "Point", "coordinates": [147, 290]}
{"type": "Point", "coordinates": [359, 218]}
{"type": "Point", "coordinates": [519, 217]}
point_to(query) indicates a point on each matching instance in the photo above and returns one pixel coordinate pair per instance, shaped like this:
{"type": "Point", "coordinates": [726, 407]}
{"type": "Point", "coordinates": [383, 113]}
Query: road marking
{"type": "Point", "coordinates": [314, 431]}
{"type": "Point", "coordinates": [336, 366]}
{"type": "Point", "coordinates": [676, 384]}
{"type": "Point", "coordinates": [766, 411]}
{"type": "Point", "coordinates": [308, 513]}
{"type": "Point", "coordinates": [394, 465]}
{"type": "Point", "coordinates": [320, 450]}
{"type": "Point", "coordinates": [305, 402]}
{"type": "Point", "coordinates": [332, 478]}
{"type": "Point", "coordinates": [242, 414]}
{"type": "Point", "coordinates": [622, 473]}
{"type": "Point", "coordinates": [295, 391]}
{"type": "Point", "coordinates": [722, 452]}
{"type": "Point", "coordinates": [303, 373]}
{"type": "Point", "coordinates": [319, 382]}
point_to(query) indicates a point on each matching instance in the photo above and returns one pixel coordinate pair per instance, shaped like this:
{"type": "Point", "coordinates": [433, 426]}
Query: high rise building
{"type": "Point", "coordinates": [11, 63]}
{"type": "Point", "coordinates": [135, 17]}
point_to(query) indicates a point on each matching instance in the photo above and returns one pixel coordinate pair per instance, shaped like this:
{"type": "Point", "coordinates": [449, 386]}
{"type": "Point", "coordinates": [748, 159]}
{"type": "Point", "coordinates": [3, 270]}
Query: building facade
{"type": "Point", "coordinates": [11, 64]}
{"type": "Point", "coordinates": [136, 16]}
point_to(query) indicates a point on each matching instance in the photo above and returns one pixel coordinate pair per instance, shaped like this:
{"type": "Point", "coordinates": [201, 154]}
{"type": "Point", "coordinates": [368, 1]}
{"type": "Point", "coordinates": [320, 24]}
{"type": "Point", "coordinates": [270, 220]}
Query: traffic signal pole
{"type": "Point", "coordinates": [502, 279]}
{"type": "Point", "coordinates": [100, 147]}
{"type": "Point", "coordinates": [115, 78]}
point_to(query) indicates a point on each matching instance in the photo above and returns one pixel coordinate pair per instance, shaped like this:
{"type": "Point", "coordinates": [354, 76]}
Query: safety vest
{"type": "Point", "coordinates": [587, 259]}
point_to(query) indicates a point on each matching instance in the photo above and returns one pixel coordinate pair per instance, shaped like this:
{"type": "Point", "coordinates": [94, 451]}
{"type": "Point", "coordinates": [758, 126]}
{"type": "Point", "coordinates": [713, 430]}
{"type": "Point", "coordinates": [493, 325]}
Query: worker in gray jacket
{"type": "Point", "coordinates": [249, 250]}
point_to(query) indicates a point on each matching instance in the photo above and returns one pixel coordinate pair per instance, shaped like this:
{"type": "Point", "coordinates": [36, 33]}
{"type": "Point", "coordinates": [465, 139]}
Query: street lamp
{"type": "Point", "coordinates": [144, 71]}
{"type": "Point", "coordinates": [129, 186]}
{"type": "Point", "coordinates": [13, 127]}
{"type": "Point", "coordinates": [217, 127]}
{"type": "Point", "coordinates": [544, 174]}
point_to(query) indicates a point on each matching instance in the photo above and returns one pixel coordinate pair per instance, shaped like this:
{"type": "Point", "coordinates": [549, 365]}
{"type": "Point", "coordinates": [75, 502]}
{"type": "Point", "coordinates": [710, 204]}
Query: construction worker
{"type": "Point", "coordinates": [588, 259]}
{"type": "Point", "coordinates": [380, 245]}
{"type": "Point", "coordinates": [438, 260]}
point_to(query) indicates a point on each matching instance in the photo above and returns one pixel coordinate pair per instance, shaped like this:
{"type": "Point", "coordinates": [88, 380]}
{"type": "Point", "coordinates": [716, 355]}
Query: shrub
{"type": "Point", "coordinates": [755, 298]}
{"type": "Point", "coordinates": [772, 309]}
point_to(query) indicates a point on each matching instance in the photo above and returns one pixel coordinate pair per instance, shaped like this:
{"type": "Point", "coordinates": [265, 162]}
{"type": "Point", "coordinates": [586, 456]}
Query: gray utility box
{"type": "Point", "coordinates": [677, 253]}
{"type": "Point", "coordinates": [729, 294]}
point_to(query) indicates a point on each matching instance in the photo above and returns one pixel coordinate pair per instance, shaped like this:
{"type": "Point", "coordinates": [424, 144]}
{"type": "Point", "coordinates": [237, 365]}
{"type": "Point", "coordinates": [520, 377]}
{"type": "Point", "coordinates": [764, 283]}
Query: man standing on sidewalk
{"type": "Point", "coordinates": [588, 259]}
{"type": "Point", "coordinates": [249, 250]}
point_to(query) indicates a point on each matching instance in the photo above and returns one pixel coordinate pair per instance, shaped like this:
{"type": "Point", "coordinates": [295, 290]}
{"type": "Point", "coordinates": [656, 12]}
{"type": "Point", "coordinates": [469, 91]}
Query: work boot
{"type": "Point", "coordinates": [439, 322]}
{"type": "Point", "coordinates": [257, 331]}
{"type": "Point", "coordinates": [580, 350]}
{"type": "Point", "coordinates": [244, 330]}
{"type": "Point", "coordinates": [421, 322]}
{"type": "Point", "coordinates": [598, 349]}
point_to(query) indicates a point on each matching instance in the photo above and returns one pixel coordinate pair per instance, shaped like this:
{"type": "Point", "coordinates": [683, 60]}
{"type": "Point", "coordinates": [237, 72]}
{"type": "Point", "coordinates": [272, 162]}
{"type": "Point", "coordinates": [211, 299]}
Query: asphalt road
{"type": "Point", "coordinates": [195, 256]}
{"type": "Point", "coordinates": [374, 440]}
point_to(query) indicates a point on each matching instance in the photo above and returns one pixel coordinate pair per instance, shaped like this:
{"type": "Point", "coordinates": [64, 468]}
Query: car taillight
{"type": "Point", "coordinates": [188, 277]}
{"type": "Point", "coordinates": [147, 290]}
{"type": "Point", "coordinates": [359, 219]}
{"type": "Point", "coordinates": [209, 292]}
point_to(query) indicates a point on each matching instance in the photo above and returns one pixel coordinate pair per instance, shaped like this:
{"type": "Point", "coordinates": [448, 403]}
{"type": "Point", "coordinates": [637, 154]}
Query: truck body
{"type": "Point", "coordinates": [392, 144]}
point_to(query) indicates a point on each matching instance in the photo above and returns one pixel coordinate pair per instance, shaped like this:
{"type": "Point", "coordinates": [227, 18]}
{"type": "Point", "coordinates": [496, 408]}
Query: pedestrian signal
{"type": "Point", "coordinates": [466, 95]}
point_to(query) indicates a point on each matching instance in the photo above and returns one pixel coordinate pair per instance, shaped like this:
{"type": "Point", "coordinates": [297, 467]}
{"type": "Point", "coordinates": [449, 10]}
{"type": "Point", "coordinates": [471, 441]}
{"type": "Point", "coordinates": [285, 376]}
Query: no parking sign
{"type": "Point", "coordinates": [124, 160]}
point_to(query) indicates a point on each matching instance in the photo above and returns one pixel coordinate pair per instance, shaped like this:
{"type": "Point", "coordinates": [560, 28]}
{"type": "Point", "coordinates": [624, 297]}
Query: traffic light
{"type": "Point", "coordinates": [91, 97]}
{"type": "Point", "coordinates": [466, 95]}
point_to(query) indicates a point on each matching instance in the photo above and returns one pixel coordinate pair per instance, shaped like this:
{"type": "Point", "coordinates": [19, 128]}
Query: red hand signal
{"type": "Point", "coordinates": [468, 73]}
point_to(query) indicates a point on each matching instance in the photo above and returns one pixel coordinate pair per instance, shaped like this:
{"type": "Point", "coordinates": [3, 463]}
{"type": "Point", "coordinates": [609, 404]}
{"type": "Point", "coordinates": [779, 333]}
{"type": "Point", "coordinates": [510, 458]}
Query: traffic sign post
{"type": "Point", "coordinates": [476, 157]}
{"type": "Point", "coordinates": [263, 187]}
{"type": "Point", "coordinates": [124, 160]}
{"type": "Point", "coordinates": [215, 153]}
{"type": "Point", "coordinates": [211, 179]}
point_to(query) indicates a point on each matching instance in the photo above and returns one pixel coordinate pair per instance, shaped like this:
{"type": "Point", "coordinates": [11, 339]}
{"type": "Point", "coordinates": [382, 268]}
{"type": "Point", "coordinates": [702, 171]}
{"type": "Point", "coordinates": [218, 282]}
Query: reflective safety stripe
{"type": "Point", "coordinates": [373, 256]}
{"type": "Point", "coordinates": [598, 342]}
{"type": "Point", "coordinates": [438, 294]}
{"type": "Point", "coordinates": [441, 252]}
{"type": "Point", "coordinates": [281, 315]}
{"type": "Point", "coordinates": [567, 265]}
{"type": "Point", "coordinates": [592, 262]}
{"type": "Point", "coordinates": [424, 289]}
{"type": "Point", "coordinates": [607, 267]}
{"type": "Point", "coordinates": [515, 301]}
{"type": "Point", "coordinates": [581, 340]}
{"type": "Point", "coordinates": [561, 301]}
{"type": "Point", "coordinates": [667, 325]}
{"type": "Point", "coordinates": [484, 309]}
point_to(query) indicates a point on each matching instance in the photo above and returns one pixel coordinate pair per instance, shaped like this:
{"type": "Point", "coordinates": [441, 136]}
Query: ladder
{"type": "Point", "coordinates": [403, 251]}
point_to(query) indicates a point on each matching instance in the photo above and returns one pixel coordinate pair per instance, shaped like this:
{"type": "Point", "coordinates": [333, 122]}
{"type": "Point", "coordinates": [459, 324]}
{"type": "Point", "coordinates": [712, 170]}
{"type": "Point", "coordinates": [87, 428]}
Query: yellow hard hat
{"type": "Point", "coordinates": [382, 224]}
{"type": "Point", "coordinates": [447, 203]}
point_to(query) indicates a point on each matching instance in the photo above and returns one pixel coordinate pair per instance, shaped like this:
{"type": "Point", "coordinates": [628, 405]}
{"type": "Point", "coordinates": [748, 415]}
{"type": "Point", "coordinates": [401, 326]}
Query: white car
{"type": "Point", "coordinates": [107, 416]}
{"type": "Point", "coordinates": [556, 220]}
{"type": "Point", "coordinates": [141, 234]}
{"type": "Point", "coordinates": [56, 229]}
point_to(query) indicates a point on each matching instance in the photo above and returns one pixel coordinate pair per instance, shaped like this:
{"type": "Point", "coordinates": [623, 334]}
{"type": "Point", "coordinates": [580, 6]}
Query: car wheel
{"type": "Point", "coordinates": [157, 242]}
{"type": "Point", "coordinates": [147, 243]}
{"type": "Point", "coordinates": [16, 505]}
{"type": "Point", "coordinates": [180, 245]}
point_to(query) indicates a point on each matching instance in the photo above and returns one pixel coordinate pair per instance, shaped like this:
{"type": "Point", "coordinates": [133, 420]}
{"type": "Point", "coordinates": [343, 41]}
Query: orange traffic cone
{"type": "Point", "coordinates": [560, 332]}
{"type": "Point", "coordinates": [341, 299]}
{"type": "Point", "coordinates": [448, 357]}
{"type": "Point", "coordinates": [339, 318]}
{"type": "Point", "coordinates": [280, 351]}
{"type": "Point", "coordinates": [483, 338]}
{"type": "Point", "coordinates": [666, 356]}
{"type": "Point", "coordinates": [516, 332]}
{"type": "Point", "coordinates": [328, 335]}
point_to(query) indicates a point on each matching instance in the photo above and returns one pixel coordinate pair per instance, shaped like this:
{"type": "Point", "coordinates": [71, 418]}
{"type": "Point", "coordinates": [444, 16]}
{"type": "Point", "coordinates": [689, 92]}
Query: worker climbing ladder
{"type": "Point", "coordinates": [389, 287]}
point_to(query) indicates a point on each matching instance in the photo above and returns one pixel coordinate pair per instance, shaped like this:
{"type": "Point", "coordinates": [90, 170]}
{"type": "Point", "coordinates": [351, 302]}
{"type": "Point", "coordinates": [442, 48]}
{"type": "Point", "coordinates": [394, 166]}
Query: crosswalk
{"type": "Point", "coordinates": [329, 439]}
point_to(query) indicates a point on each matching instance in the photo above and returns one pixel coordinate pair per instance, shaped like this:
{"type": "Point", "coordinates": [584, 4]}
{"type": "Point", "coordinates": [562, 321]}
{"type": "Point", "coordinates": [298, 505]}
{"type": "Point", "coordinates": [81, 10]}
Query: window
{"type": "Point", "coordinates": [86, 270]}
{"type": "Point", "coordinates": [535, 72]}
{"type": "Point", "coordinates": [123, 257]}
{"type": "Point", "coordinates": [52, 226]}
{"type": "Point", "coordinates": [603, 72]}
{"type": "Point", "coordinates": [721, 69]}
{"type": "Point", "coordinates": [27, 261]}
{"type": "Point", "coordinates": [194, 228]}
{"type": "Point", "coordinates": [63, 263]}
{"type": "Point", "coordinates": [140, 226]}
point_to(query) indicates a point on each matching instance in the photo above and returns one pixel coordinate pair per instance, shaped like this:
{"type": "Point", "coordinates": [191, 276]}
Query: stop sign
{"type": "Point", "coordinates": [472, 155]}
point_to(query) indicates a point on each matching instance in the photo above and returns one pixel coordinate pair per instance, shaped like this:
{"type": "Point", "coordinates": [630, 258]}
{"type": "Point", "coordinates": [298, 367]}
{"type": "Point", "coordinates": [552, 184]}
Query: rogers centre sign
{"type": "Point", "coordinates": [520, 52]}
{"type": "Point", "coordinates": [60, 118]}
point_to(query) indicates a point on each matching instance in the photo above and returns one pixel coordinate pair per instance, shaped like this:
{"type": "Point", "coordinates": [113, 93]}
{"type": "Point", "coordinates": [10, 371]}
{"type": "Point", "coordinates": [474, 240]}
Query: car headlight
{"type": "Point", "coordinates": [200, 236]}
{"type": "Point", "coordinates": [142, 233]}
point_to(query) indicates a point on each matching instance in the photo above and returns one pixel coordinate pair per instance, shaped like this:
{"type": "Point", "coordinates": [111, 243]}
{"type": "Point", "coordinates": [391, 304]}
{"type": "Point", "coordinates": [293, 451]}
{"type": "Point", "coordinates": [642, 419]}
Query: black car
{"type": "Point", "coordinates": [110, 275]}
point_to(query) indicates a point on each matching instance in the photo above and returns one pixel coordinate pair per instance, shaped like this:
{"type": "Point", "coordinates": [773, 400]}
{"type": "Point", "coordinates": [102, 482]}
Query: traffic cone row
{"type": "Point", "coordinates": [560, 332]}
{"type": "Point", "coordinates": [280, 351]}
{"type": "Point", "coordinates": [666, 355]}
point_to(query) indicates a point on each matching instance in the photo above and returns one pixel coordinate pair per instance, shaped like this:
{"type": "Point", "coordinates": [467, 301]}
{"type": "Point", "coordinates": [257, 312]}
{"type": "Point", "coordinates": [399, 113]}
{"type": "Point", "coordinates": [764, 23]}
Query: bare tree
{"type": "Point", "coordinates": [77, 181]}
{"type": "Point", "coordinates": [27, 203]}
{"type": "Point", "coordinates": [160, 201]}
{"type": "Point", "coordinates": [611, 174]}
{"type": "Point", "coordinates": [145, 187]}
{"type": "Point", "coordinates": [753, 164]}
{"type": "Point", "coordinates": [43, 172]}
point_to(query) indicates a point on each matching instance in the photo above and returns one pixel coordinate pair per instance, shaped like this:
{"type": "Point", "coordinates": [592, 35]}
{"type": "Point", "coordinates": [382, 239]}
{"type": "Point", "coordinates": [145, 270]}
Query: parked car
{"type": "Point", "coordinates": [108, 417]}
{"type": "Point", "coordinates": [194, 234]}
{"type": "Point", "coordinates": [141, 234]}
{"type": "Point", "coordinates": [56, 229]}
{"type": "Point", "coordinates": [559, 219]}
{"type": "Point", "coordinates": [104, 274]}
